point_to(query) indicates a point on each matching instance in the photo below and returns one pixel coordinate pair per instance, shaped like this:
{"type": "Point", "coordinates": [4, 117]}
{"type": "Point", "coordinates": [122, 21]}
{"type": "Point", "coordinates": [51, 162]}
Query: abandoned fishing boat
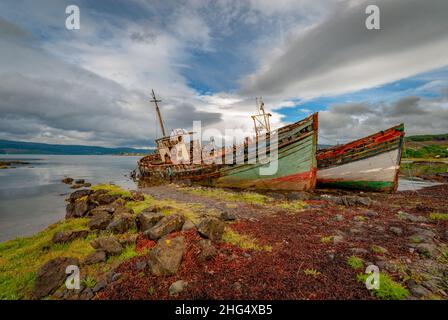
{"type": "Point", "coordinates": [371, 163]}
{"type": "Point", "coordinates": [293, 167]}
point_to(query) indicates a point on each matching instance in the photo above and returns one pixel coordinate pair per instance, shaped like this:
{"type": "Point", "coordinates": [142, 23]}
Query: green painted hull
{"type": "Point", "coordinates": [358, 185]}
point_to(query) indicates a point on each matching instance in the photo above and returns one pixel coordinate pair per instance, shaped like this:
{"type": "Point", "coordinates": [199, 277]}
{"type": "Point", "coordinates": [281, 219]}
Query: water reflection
{"type": "Point", "coordinates": [32, 195]}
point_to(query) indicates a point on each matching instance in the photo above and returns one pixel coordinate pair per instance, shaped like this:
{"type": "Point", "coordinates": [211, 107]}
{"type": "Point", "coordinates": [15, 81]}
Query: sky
{"type": "Point", "coordinates": [208, 60]}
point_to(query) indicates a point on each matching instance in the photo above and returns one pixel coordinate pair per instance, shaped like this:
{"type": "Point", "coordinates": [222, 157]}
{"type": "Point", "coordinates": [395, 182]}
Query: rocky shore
{"type": "Point", "coordinates": [178, 242]}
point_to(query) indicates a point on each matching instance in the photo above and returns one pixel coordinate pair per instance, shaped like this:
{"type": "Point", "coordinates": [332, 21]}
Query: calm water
{"type": "Point", "coordinates": [32, 196]}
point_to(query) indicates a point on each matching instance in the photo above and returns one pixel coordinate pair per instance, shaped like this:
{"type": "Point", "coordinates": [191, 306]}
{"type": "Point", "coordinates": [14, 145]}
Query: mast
{"type": "Point", "coordinates": [154, 99]}
{"type": "Point", "coordinates": [261, 120]}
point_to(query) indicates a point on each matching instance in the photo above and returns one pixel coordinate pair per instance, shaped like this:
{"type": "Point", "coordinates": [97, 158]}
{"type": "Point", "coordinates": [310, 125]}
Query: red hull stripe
{"type": "Point", "coordinates": [297, 177]}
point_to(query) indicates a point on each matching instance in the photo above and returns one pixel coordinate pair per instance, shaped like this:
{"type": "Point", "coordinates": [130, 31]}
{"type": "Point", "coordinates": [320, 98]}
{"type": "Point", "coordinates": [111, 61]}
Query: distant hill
{"type": "Point", "coordinates": [426, 146]}
{"type": "Point", "coordinates": [428, 137]}
{"type": "Point", "coordinates": [20, 147]}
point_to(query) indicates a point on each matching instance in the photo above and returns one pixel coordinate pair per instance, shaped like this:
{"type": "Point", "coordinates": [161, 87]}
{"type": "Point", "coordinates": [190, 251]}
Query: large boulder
{"type": "Point", "coordinates": [79, 207]}
{"type": "Point", "coordinates": [166, 256]}
{"type": "Point", "coordinates": [166, 225]}
{"type": "Point", "coordinates": [79, 194]}
{"type": "Point", "coordinates": [67, 236]}
{"type": "Point", "coordinates": [110, 245]}
{"type": "Point", "coordinates": [211, 228]}
{"type": "Point", "coordinates": [95, 257]}
{"type": "Point", "coordinates": [146, 220]}
{"type": "Point", "coordinates": [105, 198]}
{"type": "Point", "coordinates": [51, 275]}
{"type": "Point", "coordinates": [101, 209]}
{"type": "Point", "coordinates": [99, 221]}
{"type": "Point", "coordinates": [67, 180]}
{"type": "Point", "coordinates": [121, 223]}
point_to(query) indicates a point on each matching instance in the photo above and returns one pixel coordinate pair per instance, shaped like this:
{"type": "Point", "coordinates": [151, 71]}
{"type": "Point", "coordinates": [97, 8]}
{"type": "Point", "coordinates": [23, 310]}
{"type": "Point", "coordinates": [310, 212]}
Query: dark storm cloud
{"type": "Point", "coordinates": [420, 116]}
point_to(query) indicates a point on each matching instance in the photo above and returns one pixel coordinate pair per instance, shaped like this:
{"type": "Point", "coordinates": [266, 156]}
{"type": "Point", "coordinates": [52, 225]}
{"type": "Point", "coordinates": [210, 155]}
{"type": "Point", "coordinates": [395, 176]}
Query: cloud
{"type": "Point", "coordinates": [340, 55]}
{"type": "Point", "coordinates": [343, 123]}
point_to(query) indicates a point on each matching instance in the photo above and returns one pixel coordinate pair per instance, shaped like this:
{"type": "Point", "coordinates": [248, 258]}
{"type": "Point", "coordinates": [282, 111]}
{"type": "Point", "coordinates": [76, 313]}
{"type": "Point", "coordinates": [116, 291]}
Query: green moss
{"type": "Point", "coordinates": [377, 249]}
{"type": "Point", "coordinates": [355, 262]}
{"type": "Point", "coordinates": [21, 258]}
{"type": "Point", "coordinates": [438, 216]}
{"type": "Point", "coordinates": [296, 205]}
{"type": "Point", "coordinates": [388, 288]}
{"type": "Point", "coordinates": [139, 206]}
{"type": "Point", "coordinates": [311, 272]}
{"type": "Point", "coordinates": [128, 253]}
{"type": "Point", "coordinates": [243, 241]}
{"type": "Point", "coordinates": [326, 239]}
{"type": "Point", "coordinates": [113, 190]}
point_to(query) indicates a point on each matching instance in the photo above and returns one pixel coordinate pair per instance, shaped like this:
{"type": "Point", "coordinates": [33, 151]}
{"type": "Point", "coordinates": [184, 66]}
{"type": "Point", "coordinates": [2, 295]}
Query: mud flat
{"type": "Point", "coordinates": [182, 242]}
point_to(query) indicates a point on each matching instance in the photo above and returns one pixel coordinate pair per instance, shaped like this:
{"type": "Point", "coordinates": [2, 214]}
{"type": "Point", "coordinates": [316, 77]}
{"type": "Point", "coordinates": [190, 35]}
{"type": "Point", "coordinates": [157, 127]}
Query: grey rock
{"type": "Point", "coordinates": [208, 251]}
{"type": "Point", "coordinates": [51, 275]}
{"type": "Point", "coordinates": [99, 221]}
{"type": "Point", "coordinates": [410, 217]}
{"type": "Point", "coordinates": [128, 239]}
{"type": "Point", "coordinates": [80, 181]}
{"type": "Point", "coordinates": [177, 287]}
{"type": "Point", "coordinates": [359, 251]}
{"type": "Point", "coordinates": [427, 250]}
{"type": "Point", "coordinates": [188, 225]}
{"type": "Point", "coordinates": [338, 239]}
{"type": "Point", "coordinates": [100, 285]}
{"type": "Point", "coordinates": [121, 224]}
{"type": "Point", "coordinates": [107, 244]}
{"type": "Point", "coordinates": [67, 236]}
{"type": "Point", "coordinates": [79, 208]}
{"type": "Point", "coordinates": [87, 294]}
{"type": "Point", "coordinates": [95, 257]}
{"type": "Point", "coordinates": [67, 180]}
{"type": "Point", "coordinates": [166, 256]}
{"type": "Point", "coordinates": [147, 219]}
{"type": "Point", "coordinates": [211, 228]}
{"type": "Point", "coordinates": [339, 217]}
{"type": "Point", "coordinates": [166, 225]}
{"type": "Point", "coordinates": [79, 194]}
{"type": "Point", "coordinates": [298, 195]}
{"type": "Point", "coordinates": [397, 231]}
{"type": "Point", "coordinates": [371, 214]}
{"type": "Point", "coordinates": [350, 200]}
{"type": "Point", "coordinates": [419, 291]}
{"type": "Point", "coordinates": [137, 196]}
{"type": "Point", "coordinates": [102, 209]}
{"type": "Point", "coordinates": [140, 265]}
{"type": "Point", "coordinates": [227, 216]}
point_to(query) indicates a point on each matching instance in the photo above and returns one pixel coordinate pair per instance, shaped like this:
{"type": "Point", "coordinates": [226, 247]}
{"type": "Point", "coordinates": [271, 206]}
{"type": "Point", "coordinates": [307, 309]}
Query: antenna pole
{"type": "Point", "coordinates": [158, 112]}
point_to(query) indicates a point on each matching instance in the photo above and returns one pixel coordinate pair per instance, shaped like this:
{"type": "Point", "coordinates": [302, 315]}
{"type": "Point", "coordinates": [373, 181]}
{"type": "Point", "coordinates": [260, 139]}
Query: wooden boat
{"type": "Point", "coordinates": [296, 161]}
{"type": "Point", "coordinates": [371, 163]}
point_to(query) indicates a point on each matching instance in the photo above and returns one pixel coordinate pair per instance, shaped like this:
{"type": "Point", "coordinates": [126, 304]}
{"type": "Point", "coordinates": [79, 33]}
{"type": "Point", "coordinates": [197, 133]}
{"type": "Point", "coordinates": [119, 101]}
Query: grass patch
{"type": "Point", "coordinates": [248, 197]}
{"type": "Point", "coordinates": [355, 262]}
{"type": "Point", "coordinates": [388, 288]}
{"type": "Point", "coordinates": [89, 282]}
{"type": "Point", "coordinates": [112, 190]}
{"type": "Point", "coordinates": [311, 273]}
{"type": "Point", "coordinates": [21, 258]}
{"type": "Point", "coordinates": [243, 241]}
{"type": "Point", "coordinates": [139, 206]}
{"type": "Point", "coordinates": [438, 216]}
